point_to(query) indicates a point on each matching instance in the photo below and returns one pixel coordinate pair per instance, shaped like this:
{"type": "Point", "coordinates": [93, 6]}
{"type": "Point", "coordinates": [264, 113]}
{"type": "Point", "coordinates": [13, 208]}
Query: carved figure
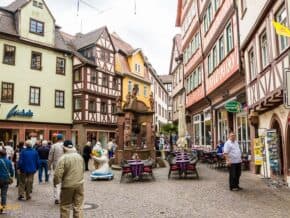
{"type": "Point", "coordinates": [151, 100]}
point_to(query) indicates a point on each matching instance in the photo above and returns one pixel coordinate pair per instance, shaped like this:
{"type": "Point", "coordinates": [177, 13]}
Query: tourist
{"type": "Point", "coordinates": [15, 160]}
{"type": "Point", "coordinates": [6, 171]}
{"type": "Point", "coordinates": [220, 148]}
{"type": "Point", "coordinates": [9, 149]}
{"type": "Point", "coordinates": [233, 155]}
{"type": "Point", "coordinates": [27, 165]}
{"type": "Point", "coordinates": [111, 148]}
{"type": "Point", "coordinates": [55, 153]}
{"type": "Point", "coordinates": [69, 173]}
{"type": "Point", "coordinates": [43, 153]}
{"type": "Point", "coordinates": [87, 154]}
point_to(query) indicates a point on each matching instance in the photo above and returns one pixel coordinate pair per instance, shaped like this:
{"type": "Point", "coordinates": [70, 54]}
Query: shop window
{"type": "Point", "coordinates": [34, 95]}
{"type": "Point", "coordinates": [59, 99]}
{"type": "Point", "coordinates": [7, 92]}
{"type": "Point", "coordinates": [36, 60]}
{"type": "Point", "coordinates": [60, 66]}
{"type": "Point", "coordinates": [9, 54]}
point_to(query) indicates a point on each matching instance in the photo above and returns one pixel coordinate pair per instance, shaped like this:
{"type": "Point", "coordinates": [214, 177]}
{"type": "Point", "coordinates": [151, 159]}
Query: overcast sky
{"type": "Point", "coordinates": [151, 28]}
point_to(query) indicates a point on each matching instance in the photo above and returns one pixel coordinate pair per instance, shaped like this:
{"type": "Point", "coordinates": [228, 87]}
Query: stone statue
{"type": "Point", "coordinates": [135, 91]}
{"type": "Point", "coordinates": [128, 100]}
{"type": "Point", "coordinates": [151, 100]}
{"type": "Point", "coordinates": [102, 170]}
{"type": "Point", "coordinates": [119, 104]}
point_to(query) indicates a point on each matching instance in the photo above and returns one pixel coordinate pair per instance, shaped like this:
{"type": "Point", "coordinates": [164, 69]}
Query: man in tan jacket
{"type": "Point", "coordinates": [55, 153]}
{"type": "Point", "coordinates": [70, 173]}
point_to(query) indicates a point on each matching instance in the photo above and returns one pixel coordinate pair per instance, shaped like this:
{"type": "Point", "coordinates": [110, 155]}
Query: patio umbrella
{"type": "Point", "coordinates": [181, 142]}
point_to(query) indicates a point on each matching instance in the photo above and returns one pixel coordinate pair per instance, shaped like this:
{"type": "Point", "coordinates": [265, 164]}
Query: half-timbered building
{"type": "Point", "coordinates": [96, 86]}
{"type": "Point", "coordinates": [211, 59]}
{"type": "Point", "coordinates": [266, 55]}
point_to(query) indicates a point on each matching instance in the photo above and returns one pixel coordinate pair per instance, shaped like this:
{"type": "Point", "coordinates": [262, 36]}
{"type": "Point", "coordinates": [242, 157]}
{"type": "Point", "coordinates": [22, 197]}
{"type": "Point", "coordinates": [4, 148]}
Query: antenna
{"type": "Point", "coordinates": [78, 7]}
{"type": "Point", "coordinates": [135, 7]}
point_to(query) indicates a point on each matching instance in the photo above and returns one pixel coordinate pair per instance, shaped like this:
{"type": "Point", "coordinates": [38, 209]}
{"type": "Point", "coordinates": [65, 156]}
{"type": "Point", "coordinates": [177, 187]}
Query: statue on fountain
{"type": "Point", "coordinates": [101, 159]}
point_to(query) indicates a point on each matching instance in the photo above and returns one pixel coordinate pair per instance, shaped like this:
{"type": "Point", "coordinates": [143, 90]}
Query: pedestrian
{"type": "Point", "coordinates": [55, 153]}
{"type": "Point", "coordinates": [15, 160]}
{"type": "Point", "coordinates": [233, 155]}
{"type": "Point", "coordinates": [27, 165]}
{"type": "Point", "coordinates": [87, 154]}
{"type": "Point", "coordinates": [6, 173]}
{"type": "Point", "coordinates": [70, 173]}
{"type": "Point", "coordinates": [111, 148]}
{"type": "Point", "coordinates": [43, 153]}
{"type": "Point", "coordinates": [9, 150]}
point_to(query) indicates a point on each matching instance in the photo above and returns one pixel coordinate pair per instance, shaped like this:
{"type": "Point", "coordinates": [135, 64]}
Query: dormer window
{"type": "Point", "coordinates": [137, 68]}
{"type": "Point", "coordinates": [36, 27]}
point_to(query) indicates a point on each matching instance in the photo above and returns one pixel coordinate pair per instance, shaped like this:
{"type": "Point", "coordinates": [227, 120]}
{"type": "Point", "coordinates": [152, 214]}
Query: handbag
{"type": "Point", "coordinates": [10, 180]}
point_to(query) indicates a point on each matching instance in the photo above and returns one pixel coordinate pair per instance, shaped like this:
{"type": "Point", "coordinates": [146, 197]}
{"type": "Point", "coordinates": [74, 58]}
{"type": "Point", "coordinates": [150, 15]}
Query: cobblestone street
{"type": "Point", "coordinates": [207, 197]}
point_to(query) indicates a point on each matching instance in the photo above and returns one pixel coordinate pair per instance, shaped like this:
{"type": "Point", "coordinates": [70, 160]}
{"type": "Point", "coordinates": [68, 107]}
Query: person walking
{"type": "Point", "coordinates": [87, 154]}
{"type": "Point", "coordinates": [43, 153]}
{"type": "Point", "coordinates": [27, 165]}
{"type": "Point", "coordinates": [55, 153]}
{"type": "Point", "coordinates": [6, 171]}
{"type": "Point", "coordinates": [70, 173]}
{"type": "Point", "coordinates": [233, 156]}
{"type": "Point", "coordinates": [15, 160]}
{"type": "Point", "coordinates": [9, 150]}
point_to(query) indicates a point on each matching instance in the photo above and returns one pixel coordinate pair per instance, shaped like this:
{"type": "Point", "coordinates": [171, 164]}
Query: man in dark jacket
{"type": "Point", "coordinates": [27, 165]}
{"type": "Point", "coordinates": [6, 171]}
{"type": "Point", "coordinates": [43, 153]}
{"type": "Point", "coordinates": [87, 154]}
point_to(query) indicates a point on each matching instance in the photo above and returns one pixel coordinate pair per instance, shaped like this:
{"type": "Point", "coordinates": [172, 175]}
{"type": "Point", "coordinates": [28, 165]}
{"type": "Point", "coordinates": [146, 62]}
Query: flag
{"type": "Point", "coordinates": [281, 29]}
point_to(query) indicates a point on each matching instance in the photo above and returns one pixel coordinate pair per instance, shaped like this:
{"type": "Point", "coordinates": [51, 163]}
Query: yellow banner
{"type": "Point", "coordinates": [281, 29]}
{"type": "Point", "coordinates": [258, 146]}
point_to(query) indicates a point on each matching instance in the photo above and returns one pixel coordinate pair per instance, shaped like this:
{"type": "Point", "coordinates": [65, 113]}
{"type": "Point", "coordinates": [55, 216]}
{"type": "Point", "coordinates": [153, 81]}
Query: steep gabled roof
{"type": "Point", "coordinates": [121, 45]}
{"type": "Point", "coordinates": [176, 44]}
{"type": "Point", "coordinates": [17, 4]}
{"type": "Point", "coordinates": [7, 24]}
{"type": "Point", "coordinates": [83, 40]}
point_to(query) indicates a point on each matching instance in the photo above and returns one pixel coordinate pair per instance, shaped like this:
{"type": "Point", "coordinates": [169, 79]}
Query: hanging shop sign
{"type": "Point", "coordinates": [233, 106]}
{"type": "Point", "coordinates": [19, 113]}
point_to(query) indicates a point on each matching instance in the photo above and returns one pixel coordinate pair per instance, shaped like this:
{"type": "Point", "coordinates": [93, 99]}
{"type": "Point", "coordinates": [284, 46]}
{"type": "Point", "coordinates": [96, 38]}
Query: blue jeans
{"type": "Point", "coordinates": [43, 164]}
{"type": "Point", "coordinates": [4, 188]}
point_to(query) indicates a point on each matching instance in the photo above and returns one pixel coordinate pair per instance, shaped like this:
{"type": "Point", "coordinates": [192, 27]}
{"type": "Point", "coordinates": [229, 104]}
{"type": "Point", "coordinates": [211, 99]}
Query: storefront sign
{"type": "Point", "coordinates": [19, 113]}
{"type": "Point", "coordinates": [258, 151]}
{"type": "Point", "coordinates": [233, 106]}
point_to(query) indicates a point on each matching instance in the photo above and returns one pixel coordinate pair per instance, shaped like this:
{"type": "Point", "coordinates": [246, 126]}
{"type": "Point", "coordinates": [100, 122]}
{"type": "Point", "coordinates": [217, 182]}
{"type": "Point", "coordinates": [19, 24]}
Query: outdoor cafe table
{"type": "Point", "coordinates": [136, 167]}
{"type": "Point", "coordinates": [182, 164]}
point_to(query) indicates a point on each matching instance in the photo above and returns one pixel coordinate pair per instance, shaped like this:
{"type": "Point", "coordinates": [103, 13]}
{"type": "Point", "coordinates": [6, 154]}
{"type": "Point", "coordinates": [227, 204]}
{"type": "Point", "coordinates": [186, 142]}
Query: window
{"type": "Point", "coordinates": [115, 84]}
{"type": "Point", "coordinates": [77, 76]}
{"type": "Point", "coordinates": [7, 92]}
{"type": "Point", "coordinates": [59, 99]}
{"type": "Point", "coordinates": [188, 85]}
{"type": "Point", "coordinates": [77, 104]}
{"type": "Point", "coordinates": [36, 60]}
{"type": "Point", "coordinates": [37, 4]}
{"type": "Point", "coordinates": [9, 55]}
{"type": "Point", "coordinates": [130, 87]}
{"type": "Point", "coordinates": [252, 64]}
{"type": "Point", "coordinates": [199, 75]}
{"type": "Point", "coordinates": [209, 64]}
{"type": "Point", "coordinates": [137, 68]}
{"type": "Point", "coordinates": [216, 4]}
{"type": "Point", "coordinates": [60, 66]}
{"type": "Point", "coordinates": [104, 107]}
{"type": "Point", "coordinates": [214, 57]}
{"type": "Point", "coordinates": [195, 74]}
{"type": "Point", "coordinates": [105, 80]}
{"type": "Point", "coordinates": [169, 87]}
{"type": "Point", "coordinates": [145, 91]}
{"type": "Point", "coordinates": [205, 23]}
{"type": "Point", "coordinates": [221, 48]}
{"type": "Point", "coordinates": [92, 105]}
{"type": "Point", "coordinates": [36, 27]}
{"type": "Point", "coordinates": [264, 49]}
{"type": "Point", "coordinates": [229, 38]}
{"type": "Point", "coordinates": [34, 95]}
{"type": "Point", "coordinates": [94, 77]}
{"type": "Point", "coordinates": [114, 108]}
{"type": "Point", "coordinates": [191, 82]}
{"type": "Point", "coordinates": [105, 55]}
{"type": "Point", "coordinates": [281, 17]}
{"type": "Point", "coordinates": [209, 12]}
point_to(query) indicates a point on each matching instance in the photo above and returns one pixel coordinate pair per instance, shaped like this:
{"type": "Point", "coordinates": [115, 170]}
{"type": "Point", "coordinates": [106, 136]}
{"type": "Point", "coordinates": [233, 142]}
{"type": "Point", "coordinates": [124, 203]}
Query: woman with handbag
{"type": "Point", "coordinates": [6, 178]}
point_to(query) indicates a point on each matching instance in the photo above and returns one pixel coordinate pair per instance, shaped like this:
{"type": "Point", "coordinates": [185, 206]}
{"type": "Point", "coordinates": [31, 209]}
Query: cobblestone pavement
{"type": "Point", "coordinates": [207, 197]}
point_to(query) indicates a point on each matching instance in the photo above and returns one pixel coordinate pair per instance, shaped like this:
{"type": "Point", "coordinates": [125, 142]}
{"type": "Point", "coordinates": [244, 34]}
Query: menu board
{"type": "Point", "coordinates": [258, 151]}
{"type": "Point", "coordinates": [273, 149]}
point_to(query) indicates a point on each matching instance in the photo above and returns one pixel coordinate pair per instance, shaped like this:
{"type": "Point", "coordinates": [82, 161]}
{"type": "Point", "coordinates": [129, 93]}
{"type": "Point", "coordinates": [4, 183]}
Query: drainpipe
{"type": "Point", "coordinates": [239, 38]}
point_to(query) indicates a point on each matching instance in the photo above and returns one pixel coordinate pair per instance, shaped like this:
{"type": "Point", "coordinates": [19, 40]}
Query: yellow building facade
{"type": "Point", "coordinates": [131, 64]}
{"type": "Point", "coordinates": [36, 75]}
